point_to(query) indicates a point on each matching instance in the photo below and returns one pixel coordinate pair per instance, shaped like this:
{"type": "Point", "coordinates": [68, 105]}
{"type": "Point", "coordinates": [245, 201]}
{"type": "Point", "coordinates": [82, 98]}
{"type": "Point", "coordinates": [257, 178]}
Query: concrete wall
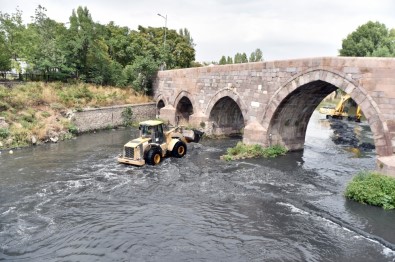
{"type": "Point", "coordinates": [104, 117]}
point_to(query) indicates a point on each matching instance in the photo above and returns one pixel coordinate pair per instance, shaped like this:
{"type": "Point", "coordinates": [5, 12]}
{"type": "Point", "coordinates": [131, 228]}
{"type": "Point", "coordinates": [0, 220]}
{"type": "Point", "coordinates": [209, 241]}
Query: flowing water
{"type": "Point", "coordinates": [72, 201]}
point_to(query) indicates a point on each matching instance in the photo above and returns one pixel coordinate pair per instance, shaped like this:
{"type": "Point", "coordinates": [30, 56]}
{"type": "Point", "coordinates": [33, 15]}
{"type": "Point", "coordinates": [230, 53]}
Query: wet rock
{"type": "Point", "coordinates": [344, 134]}
{"type": "Point", "coordinates": [54, 139]}
{"type": "Point", "coordinates": [366, 147]}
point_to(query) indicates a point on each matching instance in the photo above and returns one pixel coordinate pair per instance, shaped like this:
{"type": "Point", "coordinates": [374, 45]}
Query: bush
{"type": "Point", "coordinates": [251, 151]}
{"type": "Point", "coordinates": [127, 114]}
{"type": "Point", "coordinates": [4, 133]}
{"type": "Point", "coordinates": [373, 189]}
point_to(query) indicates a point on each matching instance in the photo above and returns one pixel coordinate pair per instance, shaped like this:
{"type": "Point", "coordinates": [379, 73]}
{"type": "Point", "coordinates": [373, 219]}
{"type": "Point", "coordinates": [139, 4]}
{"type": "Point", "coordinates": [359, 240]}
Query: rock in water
{"type": "Point", "coordinates": [34, 140]}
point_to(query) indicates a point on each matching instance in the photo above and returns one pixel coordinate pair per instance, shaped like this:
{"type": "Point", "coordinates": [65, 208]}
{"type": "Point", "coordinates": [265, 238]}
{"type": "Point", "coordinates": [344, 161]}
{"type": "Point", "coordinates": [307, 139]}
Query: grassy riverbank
{"type": "Point", "coordinates": [372, 188]}
{"type": "Point", "coordinates": [38, 112]}
{"type": "Point", "coordinates": [241, 151]}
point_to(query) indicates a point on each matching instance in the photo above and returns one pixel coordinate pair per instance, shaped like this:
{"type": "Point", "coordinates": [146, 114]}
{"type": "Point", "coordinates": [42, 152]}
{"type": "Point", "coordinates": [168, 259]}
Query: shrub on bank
{"type": "Point", "coordinates": [36, 112]}
{"type": "Point", "coordinates": [372, 188]}
{"type": "Point", "coordinates": [242, 150]}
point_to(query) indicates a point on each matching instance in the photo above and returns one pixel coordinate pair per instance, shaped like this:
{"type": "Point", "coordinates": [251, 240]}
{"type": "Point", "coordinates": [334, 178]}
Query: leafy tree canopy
{"type": "Point", "coordinates": [92, 52]}
{"type": "Point", "coordinates": [370, 39]}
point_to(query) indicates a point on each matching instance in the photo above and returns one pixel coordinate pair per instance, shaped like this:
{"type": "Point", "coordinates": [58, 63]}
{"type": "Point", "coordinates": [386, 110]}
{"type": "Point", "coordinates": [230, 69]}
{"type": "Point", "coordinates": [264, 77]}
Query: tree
{"type": "Point", "coordinates": [370, 39]}
{"type": "Point", "coordinates": [187, 35]}
{"type": "Point", "coordinates": [46, 54]}
{"type": "Point", "coordinates": [244, 58]}
{"type": "Point", "coordinates": [5, 55]}
{"type": "Point", "coordinates": [222, 61]}
{"type": "Point", "coordinates": [118, 41]}
{"type": "Point", "coordinates": [177, 53]}
{"type": "Point", "coordinates": [252, 57]}
{"type": "Point", "coordinates": [258, 55]}
{"type": "Point", "coordinates": [12, 31]}
{"type": "Point", "coordinates": [229, 60]}
{"type": "Point", "coordinates": [238, 58]}
{"type": "Point", "coordinates": [82, 37]}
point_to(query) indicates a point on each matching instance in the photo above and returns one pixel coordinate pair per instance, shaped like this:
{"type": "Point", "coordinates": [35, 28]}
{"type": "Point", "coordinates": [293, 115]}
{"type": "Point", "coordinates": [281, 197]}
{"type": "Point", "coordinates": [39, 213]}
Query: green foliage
{"type": "Point", "coordinates": [13, 32]}
{"type": "Point", "coordinates": [75, 95]}
{"type": "Point", "coordinates": [370, 39]}
{"type": "Point", "coordinates": [21, 137]}
{"type": "Point", "coordinates": [127, 115]}
{"type": "Point", "coordinates": [256, 56]}
{"type": "Point", "coordinates": [251, 151]}
{"type": "Point", "coordinates": [229, 60]}
{"type": "Point", "coordinates": [92, 52]}
{"type": "Point", "coordinates": [72, 128]}
{"type": "Point", "coordinates": [373, 189]}
{"type": "Point", "coordinates": [4, 133]}
{"type": "Point", "coordinates": [222, 61]}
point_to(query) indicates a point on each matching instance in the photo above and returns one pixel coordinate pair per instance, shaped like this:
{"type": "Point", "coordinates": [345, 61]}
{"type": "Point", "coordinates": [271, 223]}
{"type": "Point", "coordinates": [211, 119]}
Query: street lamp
{"type": "Point", "coordinates": [164, 17]}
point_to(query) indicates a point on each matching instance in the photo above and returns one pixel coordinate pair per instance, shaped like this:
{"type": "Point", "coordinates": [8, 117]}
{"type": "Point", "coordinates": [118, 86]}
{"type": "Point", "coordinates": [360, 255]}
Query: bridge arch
{"type": "Point", "coordinates": [184, 105]}
{"type": "Point", "coordinates": [226, 112]}
{"type": "Point", "coordinates": [290, 108]}
{"type": "Point", "coordinates": [160, 103]}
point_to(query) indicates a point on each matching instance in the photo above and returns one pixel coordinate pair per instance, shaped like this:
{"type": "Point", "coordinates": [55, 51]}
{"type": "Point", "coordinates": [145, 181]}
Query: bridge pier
{"type": "Point", "coordinates": [198, 119]}
{"type": "Point", "coordinates": [255, 133]}
{"type": "Point", "coordinates": [168, 114]}
{"type": "Point", "coordinates": [386, 165]}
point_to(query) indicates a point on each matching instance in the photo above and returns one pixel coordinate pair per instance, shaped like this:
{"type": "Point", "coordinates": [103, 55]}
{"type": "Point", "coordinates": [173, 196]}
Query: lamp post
{"type": "Point", "coordinates": [164, 17]}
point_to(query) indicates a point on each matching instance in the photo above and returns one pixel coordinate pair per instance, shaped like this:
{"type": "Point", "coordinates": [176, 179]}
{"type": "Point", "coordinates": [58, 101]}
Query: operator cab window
{"type": "Point", "coordinates": [146, 131]}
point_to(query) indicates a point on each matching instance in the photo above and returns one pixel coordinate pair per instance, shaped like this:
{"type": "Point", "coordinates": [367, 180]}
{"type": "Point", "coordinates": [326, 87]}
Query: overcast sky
{"type": "Point", "coordinates": [282, 29]}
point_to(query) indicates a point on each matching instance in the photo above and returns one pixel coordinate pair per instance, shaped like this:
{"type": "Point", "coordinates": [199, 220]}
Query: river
{"type": "Point", "coordinates": [72, 201]}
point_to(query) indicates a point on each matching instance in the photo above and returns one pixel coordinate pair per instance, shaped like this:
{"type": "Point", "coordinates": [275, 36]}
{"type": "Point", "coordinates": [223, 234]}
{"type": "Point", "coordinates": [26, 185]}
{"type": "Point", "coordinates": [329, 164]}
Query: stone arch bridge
{"type": "Point", "coordinates": [273, 101]}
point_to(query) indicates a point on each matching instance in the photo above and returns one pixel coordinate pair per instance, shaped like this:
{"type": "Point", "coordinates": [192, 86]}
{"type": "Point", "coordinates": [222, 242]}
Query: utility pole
{"type": "Point", "coordinates": [164, 17]}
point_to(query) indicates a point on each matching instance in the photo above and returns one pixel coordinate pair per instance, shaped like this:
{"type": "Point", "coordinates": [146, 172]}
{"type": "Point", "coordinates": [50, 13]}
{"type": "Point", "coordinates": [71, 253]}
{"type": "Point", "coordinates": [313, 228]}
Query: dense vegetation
{"type": "Point", "coordinates": [372, 188]}
{"type": "Point", "coordinates": [370, 39]}
{"type": "Point", "coordinates": [35, 112]}
{"type": "Point", "coordinates": [91, 52]}
{"type": "Point", "coordinates": [241, 151]}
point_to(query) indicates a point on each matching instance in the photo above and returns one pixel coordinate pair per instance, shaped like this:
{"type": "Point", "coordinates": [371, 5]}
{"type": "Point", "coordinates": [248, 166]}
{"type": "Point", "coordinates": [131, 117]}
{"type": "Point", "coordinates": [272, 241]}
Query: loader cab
{"type": "Point", "coordinates": [152, 129]}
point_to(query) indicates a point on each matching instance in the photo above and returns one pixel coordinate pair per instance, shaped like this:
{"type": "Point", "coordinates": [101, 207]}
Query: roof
{"type": "Point", "coordinates": [151, 123]}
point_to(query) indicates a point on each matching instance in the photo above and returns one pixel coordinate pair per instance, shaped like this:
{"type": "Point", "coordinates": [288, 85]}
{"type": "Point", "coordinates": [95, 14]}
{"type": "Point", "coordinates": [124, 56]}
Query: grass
{"type": "Point", "coordinates": [37, 109]}
{"type": "Point", "coordinates": [372, 188]}
{"type": "Point", "coordinates": [241, 151]}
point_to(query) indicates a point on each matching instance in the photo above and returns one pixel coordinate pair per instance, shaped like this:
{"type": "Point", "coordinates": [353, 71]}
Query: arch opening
{"type": "Point", "coordinates": [183, 110]}
{"type": "Point", "coordinates": [226, 117]}
{"type": "Point", "coordinates": [159, 106]}
{"type": "Point", "coordinates": [289, 122]}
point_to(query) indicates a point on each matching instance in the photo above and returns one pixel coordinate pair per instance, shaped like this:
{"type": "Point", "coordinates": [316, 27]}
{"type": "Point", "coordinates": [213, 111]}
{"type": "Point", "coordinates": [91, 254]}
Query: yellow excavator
{"type": "Point", "coordinates": [340, 111]}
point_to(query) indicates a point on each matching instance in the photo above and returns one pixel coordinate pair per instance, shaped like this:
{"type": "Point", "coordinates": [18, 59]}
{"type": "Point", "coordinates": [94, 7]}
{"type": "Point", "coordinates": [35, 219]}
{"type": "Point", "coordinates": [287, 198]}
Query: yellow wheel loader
{"type": "Point", "coordinates": [154, 144]}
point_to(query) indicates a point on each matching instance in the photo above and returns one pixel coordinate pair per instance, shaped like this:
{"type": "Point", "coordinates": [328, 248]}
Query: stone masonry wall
{"type": "Point", "coordinates": [261, 90]}
{"type": "Point", "coordinates": [104, 117]}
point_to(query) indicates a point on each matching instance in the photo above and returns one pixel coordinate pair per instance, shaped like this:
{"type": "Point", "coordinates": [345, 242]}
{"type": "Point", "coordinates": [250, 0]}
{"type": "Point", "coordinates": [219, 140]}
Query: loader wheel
{"type": "Point", "coordinates": [179, 149]}
{"type": "Point", "coordinates": [153, 156]}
